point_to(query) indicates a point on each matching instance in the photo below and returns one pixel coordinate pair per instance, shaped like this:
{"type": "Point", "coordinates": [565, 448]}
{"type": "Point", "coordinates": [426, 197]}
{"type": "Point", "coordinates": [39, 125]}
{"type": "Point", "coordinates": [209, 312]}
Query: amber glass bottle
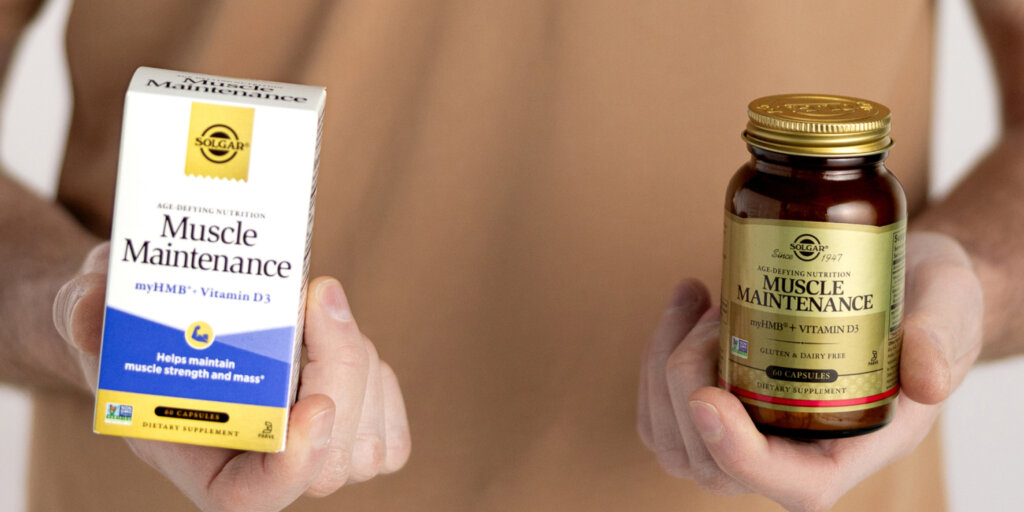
{"type": "Point", "coordinates": [813, 269]}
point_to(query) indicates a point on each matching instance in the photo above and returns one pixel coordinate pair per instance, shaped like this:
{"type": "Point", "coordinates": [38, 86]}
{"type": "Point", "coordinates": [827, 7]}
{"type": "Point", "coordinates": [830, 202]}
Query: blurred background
{"type": "Point", "coordinates": [981, 421]}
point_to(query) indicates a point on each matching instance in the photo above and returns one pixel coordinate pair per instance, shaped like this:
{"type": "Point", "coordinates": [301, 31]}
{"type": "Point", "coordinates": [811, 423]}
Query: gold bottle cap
{"type": "Point", "coordinates": [819, 125]}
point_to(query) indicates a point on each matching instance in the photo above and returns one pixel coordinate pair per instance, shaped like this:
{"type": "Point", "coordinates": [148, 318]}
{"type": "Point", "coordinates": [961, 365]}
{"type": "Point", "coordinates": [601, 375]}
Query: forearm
{"type": "Point", "coordinates": [40, 249]}
{"type": "Point", "coordinates": [984, 213]}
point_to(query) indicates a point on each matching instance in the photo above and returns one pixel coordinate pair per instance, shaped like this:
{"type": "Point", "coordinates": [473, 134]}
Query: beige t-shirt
{"type": "Point", "coordinates": [508, 191]}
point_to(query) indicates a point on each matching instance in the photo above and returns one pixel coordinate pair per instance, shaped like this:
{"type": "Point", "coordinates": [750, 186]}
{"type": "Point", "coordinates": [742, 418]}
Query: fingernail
{"type": "Point", "coordinates": [320, 432]}
{"type": "Point", "coordinates": [64, 310]}
{"type": "Point", "coordinates": [72, 305]}
{"type": "Point", "coordinates": [333, 299]}
{"type": "Point", "coordinates": [705, 416]}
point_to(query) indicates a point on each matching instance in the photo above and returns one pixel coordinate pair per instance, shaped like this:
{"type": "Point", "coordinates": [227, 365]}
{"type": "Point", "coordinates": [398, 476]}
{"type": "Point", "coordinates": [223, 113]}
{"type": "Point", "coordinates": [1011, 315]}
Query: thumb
{"type": "Point", "coordinates": [944, 307]}
{"type": "Point", "coordinates": [78, 306]}
{"type": "Point", "coordinates": [78, 311]}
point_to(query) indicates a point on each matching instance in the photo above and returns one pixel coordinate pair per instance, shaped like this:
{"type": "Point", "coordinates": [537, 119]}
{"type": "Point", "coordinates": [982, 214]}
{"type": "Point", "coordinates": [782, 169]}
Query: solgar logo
{"type": "Point", "coordinates": [219, 142]}
{"type": "Point", "coordinates": [807, 247]}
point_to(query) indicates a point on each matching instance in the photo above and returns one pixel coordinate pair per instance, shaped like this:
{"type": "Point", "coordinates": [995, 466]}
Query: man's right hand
{"type": "Point", "coordinates": [701, 432]}
{"type": "Point", "coordinates": [348, 424]}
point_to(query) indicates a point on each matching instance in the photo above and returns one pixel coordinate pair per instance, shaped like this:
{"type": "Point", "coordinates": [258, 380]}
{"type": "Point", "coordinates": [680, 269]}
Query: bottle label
{"type": "Point", "coordinates": [811, 313]}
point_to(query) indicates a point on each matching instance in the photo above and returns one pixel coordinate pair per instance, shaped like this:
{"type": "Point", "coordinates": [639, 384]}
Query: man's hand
{"type": "Point", "coordinates": [703, 433]}
{"type": "Point", "coordinates": [348, 424]}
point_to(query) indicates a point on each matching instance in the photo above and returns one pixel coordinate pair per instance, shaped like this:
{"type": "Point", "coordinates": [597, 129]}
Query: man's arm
{"type": "Point", "coordinates": [347, 425]}
{"type": "Point", "coordinates": [965, 265]}
{"type": "Point", "coordinates": [985, 212]}
{"type": "Point", "coordinates": [41, 246]}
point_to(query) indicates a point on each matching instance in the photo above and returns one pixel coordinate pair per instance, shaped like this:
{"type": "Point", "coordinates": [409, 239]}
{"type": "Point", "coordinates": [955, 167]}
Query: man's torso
{"type": "Point", "coordinates": [508, 193]}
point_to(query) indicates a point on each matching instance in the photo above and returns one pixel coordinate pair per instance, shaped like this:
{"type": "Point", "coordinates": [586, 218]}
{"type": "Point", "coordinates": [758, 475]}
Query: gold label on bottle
{"type": "Point", "coordinates": [811, 313]}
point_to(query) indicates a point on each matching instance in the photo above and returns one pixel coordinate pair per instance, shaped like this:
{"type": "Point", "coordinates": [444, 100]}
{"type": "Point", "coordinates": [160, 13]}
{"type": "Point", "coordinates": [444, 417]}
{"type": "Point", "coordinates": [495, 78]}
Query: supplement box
{"type": "Point", "coordinates": [209, 254]}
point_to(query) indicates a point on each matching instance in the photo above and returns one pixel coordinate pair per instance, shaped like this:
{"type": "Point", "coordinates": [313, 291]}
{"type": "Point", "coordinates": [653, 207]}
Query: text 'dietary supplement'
{"type": "Point", "coordinates": [209, 255]}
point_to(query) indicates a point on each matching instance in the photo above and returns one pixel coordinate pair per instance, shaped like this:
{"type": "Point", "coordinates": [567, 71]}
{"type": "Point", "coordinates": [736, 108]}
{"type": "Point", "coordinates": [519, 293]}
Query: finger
{"type": "Point", "coordinates": [82, 326]}
{"type": "Point", "coordinates": [693, 365]}
{"type": "Point", "coordinates": [688, 302]}
{"type": "Point", "coordinates": [338, 367]}
{"type": "Point", "coordinates": [801, 475]}
{"type": "Point", "coordinates": [260, 481]}
{"type": "Point", "coordinates": [97, 260]}
{"type": "Point", "coordinates": [643, 408]}
{"type": "Point", "coordinates": [399, 441]}
{"type": "Point", "coordinates": [798, 475]}
{"type": "Point", "coordinates": [943, 321]}
{"type": "Point", "coordinates": [368, 450]}
{"type": "Point", "coordinates": [78, 311]}
{"type": "Point", "coordinates": [862, 456]}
